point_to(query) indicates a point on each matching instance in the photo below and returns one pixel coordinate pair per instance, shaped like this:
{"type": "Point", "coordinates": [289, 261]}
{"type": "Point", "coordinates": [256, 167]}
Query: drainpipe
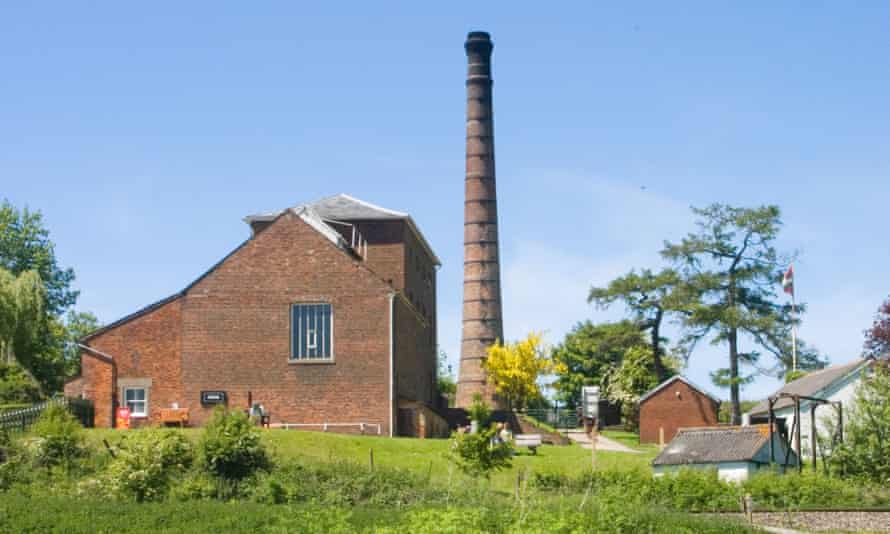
{"type": "Point", "coordinates": [392, 393]}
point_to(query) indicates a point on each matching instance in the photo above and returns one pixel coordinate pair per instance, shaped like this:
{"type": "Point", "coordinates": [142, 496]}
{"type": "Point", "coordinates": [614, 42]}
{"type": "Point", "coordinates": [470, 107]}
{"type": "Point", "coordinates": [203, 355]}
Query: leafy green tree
{"type": "Point", "coordinates": [445, 383]}
{"type": "Point", "coordinates": [231, 446]}
{"type": "Point", "coordinates": [25, 246]}
{"type": "Point", "coordinates": [732, 264]}
{"type": "Point", "coordinates": [589, 352]}
{"type": "Point", "coordinates": [22, 318]}
{"type": "Point", "coordinates": [865, 451]}
{"type": "Point", "coordinates": [77, 325]}
{"type": "Point", "coordinates": [626, 382]}
{"type": "Point", "coordinates": [477, 455]}
{"type": "Point", "coordinates": [649, 297]}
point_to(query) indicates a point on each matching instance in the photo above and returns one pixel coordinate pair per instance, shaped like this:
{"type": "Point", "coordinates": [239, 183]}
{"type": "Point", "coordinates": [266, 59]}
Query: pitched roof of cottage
{"type": "Point", "coordinates": [670, 381]}
{"type": "Point", "coordinates": [811, 385]}
{"type": "Point", "coordinates": [343, 207]}
{"type": "Point", "coordinates": [714, 445]}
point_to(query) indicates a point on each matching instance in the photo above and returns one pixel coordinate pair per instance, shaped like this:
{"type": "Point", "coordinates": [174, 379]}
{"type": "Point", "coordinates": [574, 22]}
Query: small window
{"type": "Point", "coordinates": [311, 329]}
{"type": "Point", "coordinates": [136, 401]}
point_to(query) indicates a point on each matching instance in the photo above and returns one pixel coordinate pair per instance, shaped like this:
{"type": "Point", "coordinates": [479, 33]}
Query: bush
{"type": "Point", "coordinates": [147, 463]}
{"type": "Point", "coordinates": [58, 438]}
{"type": "Point", "coordinates": [231, 446]}
{"type": "Point", "coordinates": [479, 411]}
{"type": "Point", "coordinates": [477, 455]}
{"type": "Point", "coordinates": [16, 386]}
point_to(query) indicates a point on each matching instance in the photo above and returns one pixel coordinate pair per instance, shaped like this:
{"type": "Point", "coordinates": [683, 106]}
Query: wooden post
{"type": "Point", "coordinates": [813, 432]}
{"type": "Point", "coordinates": [661, 437]}
{"type": "Point", "coordinates": [593, 446]}
{"type": "Point", "coordinates": [772, 421]}
{"type": "Point", "coordinates": [371, 459]}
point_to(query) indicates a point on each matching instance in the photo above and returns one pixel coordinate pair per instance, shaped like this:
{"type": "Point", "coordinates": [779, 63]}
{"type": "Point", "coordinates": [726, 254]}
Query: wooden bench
{"type": "Point", "coordinates": [175, 416]}
{"type": "Point", "coordinates": [531, 441]}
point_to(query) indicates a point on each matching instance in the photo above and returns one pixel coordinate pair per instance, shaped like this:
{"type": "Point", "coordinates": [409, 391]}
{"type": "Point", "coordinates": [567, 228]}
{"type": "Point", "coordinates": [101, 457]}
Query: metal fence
{"type": "Point", "coordinates": [555, 417]}
{"type": "Point", "coordinates": [22, 419]}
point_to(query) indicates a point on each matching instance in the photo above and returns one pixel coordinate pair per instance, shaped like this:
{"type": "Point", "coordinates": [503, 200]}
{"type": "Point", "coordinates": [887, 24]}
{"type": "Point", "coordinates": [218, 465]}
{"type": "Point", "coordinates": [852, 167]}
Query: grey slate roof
{"type": "Point", "coordinates": [671, 380]}
{"type": "Point", "coordinates": [714, 445]}
{"type": "Point", "coordinates": [810, 385]}
{"type": "Point", "coordinates": [343, 207]}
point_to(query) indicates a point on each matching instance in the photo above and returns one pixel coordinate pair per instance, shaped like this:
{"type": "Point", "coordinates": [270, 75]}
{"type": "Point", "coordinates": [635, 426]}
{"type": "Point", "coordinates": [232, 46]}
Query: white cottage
{"type": "Point", "coordinates": [736, 452]}
{"type": "Point", "coordinates": [835, 384]}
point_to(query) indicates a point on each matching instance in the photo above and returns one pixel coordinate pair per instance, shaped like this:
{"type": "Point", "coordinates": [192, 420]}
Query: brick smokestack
{"type": "Point", "coordinates": [482, 324]}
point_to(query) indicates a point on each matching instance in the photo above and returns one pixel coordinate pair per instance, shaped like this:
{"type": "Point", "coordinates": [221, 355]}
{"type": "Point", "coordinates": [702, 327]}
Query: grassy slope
{"type": "Point", "coordinates": [420, 456]}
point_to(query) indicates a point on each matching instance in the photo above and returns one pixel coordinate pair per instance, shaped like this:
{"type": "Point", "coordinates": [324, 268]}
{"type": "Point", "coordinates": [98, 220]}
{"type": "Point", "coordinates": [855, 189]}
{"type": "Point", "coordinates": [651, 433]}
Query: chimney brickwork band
{"type": "Point", "coordinates": [482, 324]}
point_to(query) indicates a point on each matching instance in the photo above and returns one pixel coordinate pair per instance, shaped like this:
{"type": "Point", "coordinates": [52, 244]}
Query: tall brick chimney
{"type": "Point", "coordinates": [482, 324]}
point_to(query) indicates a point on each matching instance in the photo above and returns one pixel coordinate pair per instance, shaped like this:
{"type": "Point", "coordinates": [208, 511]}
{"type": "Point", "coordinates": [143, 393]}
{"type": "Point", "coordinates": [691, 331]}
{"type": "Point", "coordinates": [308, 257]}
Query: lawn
{"type": "Point", "coordinates": [426, 457]}
{"type": "Point", "coordinates": [632, 440]}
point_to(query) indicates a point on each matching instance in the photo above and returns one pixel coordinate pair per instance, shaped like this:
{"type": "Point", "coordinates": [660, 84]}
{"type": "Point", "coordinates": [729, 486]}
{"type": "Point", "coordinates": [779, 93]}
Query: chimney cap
{"type": "Point", "coordinates": [478, 36]}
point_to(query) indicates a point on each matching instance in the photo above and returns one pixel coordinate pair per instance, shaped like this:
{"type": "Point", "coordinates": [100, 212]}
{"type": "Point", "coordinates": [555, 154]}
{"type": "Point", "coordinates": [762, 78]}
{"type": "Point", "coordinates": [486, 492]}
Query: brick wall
{"type": "Point", "coordinates": [147, 347]}
{"type": "Point", "coordinates": [673, 407]}
{"type": "Point", "coordinates": [236, 325]}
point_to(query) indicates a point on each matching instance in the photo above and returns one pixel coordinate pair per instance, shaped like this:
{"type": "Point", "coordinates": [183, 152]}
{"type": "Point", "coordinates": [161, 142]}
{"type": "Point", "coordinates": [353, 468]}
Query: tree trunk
{"type": "Point", "coordinates": [660, 370]}
{"type": "Point", "coordinates": [734, 377]}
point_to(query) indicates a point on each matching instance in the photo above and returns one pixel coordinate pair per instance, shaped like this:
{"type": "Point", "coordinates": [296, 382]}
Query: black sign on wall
{"type": "Point", "coordinates": [213, 397]}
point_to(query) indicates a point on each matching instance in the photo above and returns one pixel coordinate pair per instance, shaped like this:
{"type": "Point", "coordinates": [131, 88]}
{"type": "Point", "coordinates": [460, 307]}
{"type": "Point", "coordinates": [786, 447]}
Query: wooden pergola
{"type": "Point", "coordinates": [815, 402]}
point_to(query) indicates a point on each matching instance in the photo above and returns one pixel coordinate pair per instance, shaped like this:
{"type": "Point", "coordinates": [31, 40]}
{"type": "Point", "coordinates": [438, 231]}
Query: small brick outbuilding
{"type": "Point", "coordinates": [674, 404]}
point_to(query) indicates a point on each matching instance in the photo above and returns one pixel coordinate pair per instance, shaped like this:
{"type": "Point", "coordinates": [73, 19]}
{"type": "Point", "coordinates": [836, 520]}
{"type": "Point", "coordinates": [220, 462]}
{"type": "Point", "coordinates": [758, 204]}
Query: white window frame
{"type": "Point", "coordinates": [312, 336]}
{"type": "Point", "coordinates": [144, 400]}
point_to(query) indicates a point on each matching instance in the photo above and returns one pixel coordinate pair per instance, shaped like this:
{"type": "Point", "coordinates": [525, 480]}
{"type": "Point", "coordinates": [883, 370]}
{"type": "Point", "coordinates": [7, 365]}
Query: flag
{"type": "Point", "coordinates": [788, 281]}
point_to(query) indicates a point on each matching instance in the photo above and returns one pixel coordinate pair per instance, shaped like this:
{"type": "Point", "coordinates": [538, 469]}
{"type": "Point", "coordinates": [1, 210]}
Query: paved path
{"type": "Point", "coordinates": [602, 443]}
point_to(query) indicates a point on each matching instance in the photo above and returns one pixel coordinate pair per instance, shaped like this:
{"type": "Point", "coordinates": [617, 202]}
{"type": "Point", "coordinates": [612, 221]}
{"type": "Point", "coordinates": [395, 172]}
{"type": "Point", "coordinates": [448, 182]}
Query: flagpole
{"type": "Point", "coordinates": [793, 332]}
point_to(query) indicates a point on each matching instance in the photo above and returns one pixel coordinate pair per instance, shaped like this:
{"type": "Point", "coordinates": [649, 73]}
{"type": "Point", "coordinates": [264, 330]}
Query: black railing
{"type": "Point", "coordinates": [21, 420]}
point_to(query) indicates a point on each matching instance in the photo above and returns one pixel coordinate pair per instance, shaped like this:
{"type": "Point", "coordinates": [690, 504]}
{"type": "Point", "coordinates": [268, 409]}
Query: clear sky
{"type": "Point", "coordinates": [144, 133]}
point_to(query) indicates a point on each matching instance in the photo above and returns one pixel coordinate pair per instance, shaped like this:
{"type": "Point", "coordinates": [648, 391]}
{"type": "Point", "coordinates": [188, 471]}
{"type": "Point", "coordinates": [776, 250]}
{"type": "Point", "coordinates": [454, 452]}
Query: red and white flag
{"type": "Point", "coordinates": [788, 281]}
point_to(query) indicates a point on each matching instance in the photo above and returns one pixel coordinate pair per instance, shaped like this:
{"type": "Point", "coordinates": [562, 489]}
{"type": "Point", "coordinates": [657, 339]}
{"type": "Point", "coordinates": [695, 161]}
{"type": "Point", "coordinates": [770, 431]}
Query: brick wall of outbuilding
{"type": "Point", "coordinates": [673, 407]}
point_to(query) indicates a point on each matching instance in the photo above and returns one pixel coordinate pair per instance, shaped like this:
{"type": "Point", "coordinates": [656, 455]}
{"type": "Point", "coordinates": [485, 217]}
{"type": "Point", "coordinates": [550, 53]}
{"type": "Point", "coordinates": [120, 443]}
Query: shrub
{"type": "Point", "coordinates": [479, 411]}
{"type": "Point", "coordinates": [477, 455]}
{"type": "Point", "coordinates": [147, 462]}
{"type": "Point", "coordinates": [231, 446]}
{"type": "Point", "coordinates": [58, 438]}
{"type": "Point", "coordinates": [16, 386]}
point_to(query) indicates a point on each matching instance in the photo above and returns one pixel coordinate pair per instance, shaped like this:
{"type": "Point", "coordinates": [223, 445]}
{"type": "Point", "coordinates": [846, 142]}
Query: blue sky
{"type": "Point", "coordinates": [145, 133]}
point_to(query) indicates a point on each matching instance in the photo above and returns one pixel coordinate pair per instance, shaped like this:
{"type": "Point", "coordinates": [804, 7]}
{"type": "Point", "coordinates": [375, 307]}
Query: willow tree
{"type": "Point", "coordinates": [734, 267]}
{"type": "Point", "coordinates": [22, 317]}
{"type": "Point", "coordinates": [649, 297]}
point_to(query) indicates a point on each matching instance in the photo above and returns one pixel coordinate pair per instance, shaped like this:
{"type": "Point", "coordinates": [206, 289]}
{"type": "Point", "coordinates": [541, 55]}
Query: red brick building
{"type": "Point", "coordinates": [674, 404]}
{"type": "Point", "coordinates": [325, 315]}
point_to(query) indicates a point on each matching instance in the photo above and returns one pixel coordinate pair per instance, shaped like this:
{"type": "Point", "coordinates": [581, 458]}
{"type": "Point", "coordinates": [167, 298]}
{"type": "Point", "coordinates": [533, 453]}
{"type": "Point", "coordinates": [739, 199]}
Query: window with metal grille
{"type": "Point", "coordinates": [312, 327]}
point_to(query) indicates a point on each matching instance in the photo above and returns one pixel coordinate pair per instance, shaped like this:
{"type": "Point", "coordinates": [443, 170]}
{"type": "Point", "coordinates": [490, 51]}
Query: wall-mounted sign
{"type": "Point", "coordinates": [213, 397]}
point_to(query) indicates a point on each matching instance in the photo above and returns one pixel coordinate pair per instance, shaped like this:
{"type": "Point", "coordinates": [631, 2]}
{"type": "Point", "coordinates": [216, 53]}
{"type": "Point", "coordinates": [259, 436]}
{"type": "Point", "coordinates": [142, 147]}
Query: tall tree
{"type": "Point", "coordinates": [649, 297]}
{"type": "Point", "coordinates": [732, 263]}
{"type": "Point", "coordinates": [22, 318]}
{"type": "Point", "coordinates": [25, 246]}
{"type": "Point", "coordinates": [877, 338]}
{"type": "Point", "coordinates": [589, 352]}
{"type": "Point", "coordinates": [77, 325]}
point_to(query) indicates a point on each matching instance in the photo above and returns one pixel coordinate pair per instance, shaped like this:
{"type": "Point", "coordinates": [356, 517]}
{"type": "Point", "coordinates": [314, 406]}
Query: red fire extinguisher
{"type": "Point", "coordinates": [123, 417]}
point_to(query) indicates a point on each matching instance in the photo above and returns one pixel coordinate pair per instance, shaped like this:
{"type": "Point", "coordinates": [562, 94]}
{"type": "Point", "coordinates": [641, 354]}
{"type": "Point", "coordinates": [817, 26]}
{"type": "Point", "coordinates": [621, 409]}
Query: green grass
{"type": "Point", "coordinates": [417, 455]}
{"type": "Point", "coordinates": [632, 440]}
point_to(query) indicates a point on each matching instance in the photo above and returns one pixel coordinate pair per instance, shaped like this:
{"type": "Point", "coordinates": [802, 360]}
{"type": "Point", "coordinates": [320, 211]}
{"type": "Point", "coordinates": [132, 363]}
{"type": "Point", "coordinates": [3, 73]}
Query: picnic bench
{"type": "Point", "coordinates": [175, 416]}
{"type": "Point", "coordinates": [530, 441]}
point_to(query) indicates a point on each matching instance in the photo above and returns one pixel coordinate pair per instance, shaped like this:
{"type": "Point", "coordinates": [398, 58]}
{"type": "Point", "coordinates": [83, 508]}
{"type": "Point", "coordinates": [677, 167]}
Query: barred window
{"type": "Point", "coordinates": [311, 332]}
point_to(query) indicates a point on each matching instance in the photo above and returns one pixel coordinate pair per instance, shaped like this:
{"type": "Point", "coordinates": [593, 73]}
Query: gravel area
{"type": "Point", "coordinates": [825, 521]}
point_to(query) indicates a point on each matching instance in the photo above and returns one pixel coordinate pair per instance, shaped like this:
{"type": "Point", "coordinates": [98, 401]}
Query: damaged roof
{"type": "Point", "coordinates": [715, 445]}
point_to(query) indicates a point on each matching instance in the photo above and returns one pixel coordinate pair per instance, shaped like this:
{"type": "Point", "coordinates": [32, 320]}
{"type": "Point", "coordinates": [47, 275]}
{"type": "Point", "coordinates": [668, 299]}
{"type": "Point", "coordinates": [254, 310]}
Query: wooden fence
{"type": "Point", "coordinates": [22, 419]}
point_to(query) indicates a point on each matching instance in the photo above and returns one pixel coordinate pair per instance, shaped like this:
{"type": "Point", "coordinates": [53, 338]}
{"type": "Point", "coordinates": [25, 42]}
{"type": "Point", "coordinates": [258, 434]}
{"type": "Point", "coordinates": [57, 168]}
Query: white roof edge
{"type": "Point", "coordinates": [312, 219]}
{"type": "Point", "coordinates": [688, 382]}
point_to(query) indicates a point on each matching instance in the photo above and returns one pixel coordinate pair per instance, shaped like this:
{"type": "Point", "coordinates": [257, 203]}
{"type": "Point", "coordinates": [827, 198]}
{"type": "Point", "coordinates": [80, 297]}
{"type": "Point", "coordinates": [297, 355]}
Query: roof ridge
{"type": "Point", "coordinates": [363, 203]}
